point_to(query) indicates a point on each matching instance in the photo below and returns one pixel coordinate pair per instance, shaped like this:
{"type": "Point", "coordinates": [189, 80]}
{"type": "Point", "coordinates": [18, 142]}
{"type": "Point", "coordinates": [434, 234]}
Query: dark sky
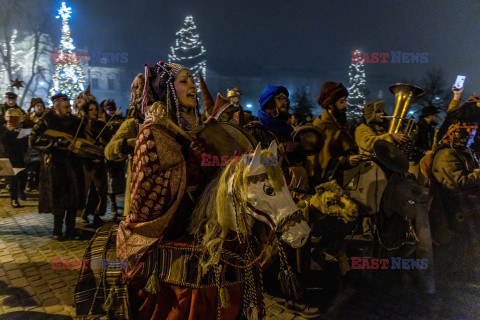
{"type": "Point", "coordinates": [245, 37]}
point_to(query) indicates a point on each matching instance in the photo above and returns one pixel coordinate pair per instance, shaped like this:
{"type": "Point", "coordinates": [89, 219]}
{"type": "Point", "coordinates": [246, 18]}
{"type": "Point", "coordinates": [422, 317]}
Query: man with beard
{"type": "Point", "coordinates": [61, 189]}
{"type": "Point", "coordinates": [273, 117]}
{"type": "Point", "coordinates": [273, 125]}
{"type": "Point", "coordinates": [340, 149]}
{"type": "Point", "coordinates": [10, 102]}
{"type": "Point", "coordinates": [373, 128]}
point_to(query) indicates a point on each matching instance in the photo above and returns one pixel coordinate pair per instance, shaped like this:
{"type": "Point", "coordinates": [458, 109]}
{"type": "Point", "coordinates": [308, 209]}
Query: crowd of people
{"type": "Point", "coordinates": [81, 159]}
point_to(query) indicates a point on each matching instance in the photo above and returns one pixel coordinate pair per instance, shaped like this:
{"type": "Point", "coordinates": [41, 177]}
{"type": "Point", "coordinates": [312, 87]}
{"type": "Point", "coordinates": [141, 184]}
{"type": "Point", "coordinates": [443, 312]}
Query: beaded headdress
{"type": "Point", "coordinates": [160, 78]}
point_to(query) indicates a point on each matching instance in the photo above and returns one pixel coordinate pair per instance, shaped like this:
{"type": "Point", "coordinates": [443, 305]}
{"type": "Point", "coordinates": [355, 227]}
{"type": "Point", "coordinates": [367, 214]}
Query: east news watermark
{"type": "Point", "coordinates": [94, 264]}
{"type": "Point", "coordinates": [394, 263]}
{"type": "Point", "coordinates": [389, 57]}
{"type": "Point", "coordinates": [94, 57]}
{"type": "Point", "coordinates": [209, 160]}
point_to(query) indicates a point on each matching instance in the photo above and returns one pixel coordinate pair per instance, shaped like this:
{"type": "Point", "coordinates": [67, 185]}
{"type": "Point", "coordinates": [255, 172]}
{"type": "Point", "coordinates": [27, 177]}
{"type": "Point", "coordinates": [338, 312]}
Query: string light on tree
{"type": "Point", "coordinates": [357, 89]}
{"type": "Point", "coordinates": [68, 77]}
{"type": "Point", "coordinates": [188, 49]}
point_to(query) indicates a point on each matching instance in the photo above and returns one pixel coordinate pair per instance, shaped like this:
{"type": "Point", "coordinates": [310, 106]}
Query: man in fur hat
{"type": "Point", "coordinates": [61, 189]}
{"type": "Point", "coordinates": [374, 128]}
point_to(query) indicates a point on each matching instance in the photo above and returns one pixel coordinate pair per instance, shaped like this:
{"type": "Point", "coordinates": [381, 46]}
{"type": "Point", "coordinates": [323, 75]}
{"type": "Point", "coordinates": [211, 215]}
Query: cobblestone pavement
{"type": "Point", "coordinates": [31, 289]}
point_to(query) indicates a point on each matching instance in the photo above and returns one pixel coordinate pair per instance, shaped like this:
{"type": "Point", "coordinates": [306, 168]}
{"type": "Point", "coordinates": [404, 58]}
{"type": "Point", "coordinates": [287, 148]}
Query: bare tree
{"type": "Point", "coordinates": [25, 15]}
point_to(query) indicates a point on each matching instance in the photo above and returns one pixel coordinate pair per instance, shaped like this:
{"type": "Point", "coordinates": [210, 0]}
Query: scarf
{"type": "Point", "coordinates": [276, 125]}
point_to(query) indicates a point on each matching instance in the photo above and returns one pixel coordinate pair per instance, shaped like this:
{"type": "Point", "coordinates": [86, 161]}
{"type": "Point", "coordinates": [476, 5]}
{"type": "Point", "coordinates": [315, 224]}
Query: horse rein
{"type": "Point", "coordinates": [282, 227]}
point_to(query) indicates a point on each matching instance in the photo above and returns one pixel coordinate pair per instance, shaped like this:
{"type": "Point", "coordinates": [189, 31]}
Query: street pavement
{"type": "Point", "coordinates": [30, 289]}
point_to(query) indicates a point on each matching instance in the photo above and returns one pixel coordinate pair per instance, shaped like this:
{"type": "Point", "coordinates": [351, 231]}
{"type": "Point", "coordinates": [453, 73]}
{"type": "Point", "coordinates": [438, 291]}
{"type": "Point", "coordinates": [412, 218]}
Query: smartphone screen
{"type": "Point", "coordinates": [459, 82]}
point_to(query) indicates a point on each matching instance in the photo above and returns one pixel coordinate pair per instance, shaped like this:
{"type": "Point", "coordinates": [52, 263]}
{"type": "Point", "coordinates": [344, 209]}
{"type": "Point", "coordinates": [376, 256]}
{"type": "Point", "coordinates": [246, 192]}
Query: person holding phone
{"type": "Point", "coordinates": [457, 89]}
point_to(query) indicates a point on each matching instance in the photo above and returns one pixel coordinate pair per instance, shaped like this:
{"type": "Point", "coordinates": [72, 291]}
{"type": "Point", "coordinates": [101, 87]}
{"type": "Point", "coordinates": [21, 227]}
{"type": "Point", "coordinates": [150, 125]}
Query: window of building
{"type": "Point", "coordinates": [95, 83]}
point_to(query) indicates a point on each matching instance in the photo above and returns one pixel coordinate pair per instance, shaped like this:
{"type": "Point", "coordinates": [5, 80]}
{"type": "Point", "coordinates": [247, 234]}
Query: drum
{"type": "Point", "coordinates": [309, 139]}
{"type": "Point", "coordinates": [225, 139]}
{"type": "Point", "coordinates": [366, 183]}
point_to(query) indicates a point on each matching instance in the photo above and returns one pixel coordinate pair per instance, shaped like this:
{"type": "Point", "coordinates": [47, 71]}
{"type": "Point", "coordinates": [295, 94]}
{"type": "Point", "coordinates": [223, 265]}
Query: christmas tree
{"type": "Point", "coordinates": [188, 49]}
{"type": "Point", "coordinates": [68, 77]}
{"type": "Point", "coordinates": [357, 89]}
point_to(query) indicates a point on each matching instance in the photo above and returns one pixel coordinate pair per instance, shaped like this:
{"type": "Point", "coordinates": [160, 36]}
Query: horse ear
{"type": "Point", "coordinates": [255, 166]}
{"type": "Point", "coordinates": [273, 148]}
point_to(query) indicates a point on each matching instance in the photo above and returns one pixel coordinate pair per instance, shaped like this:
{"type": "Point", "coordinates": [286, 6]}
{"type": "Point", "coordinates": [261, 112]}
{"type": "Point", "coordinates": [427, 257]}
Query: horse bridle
{"type": "Point", "coordinates": [284, 224]}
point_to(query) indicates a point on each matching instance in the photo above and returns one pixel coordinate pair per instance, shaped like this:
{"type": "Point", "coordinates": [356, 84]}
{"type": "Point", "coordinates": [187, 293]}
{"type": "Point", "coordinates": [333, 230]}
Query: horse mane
{"type": "Point", "coordinates": [209, 219]}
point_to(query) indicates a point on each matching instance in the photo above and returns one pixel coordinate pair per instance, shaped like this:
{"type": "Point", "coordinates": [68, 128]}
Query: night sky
{"type": "Point", "coordinates": [265, 38]}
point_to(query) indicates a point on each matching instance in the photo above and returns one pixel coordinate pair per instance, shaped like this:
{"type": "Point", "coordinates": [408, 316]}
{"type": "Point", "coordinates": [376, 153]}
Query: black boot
{"type": "Point", "coordinates": [70, 233]}
{"type": "Point", "coordinates": [57, 227]}
{"type": "Point", "coordinates": [15, 204]}
{"type": "Point", "coordinates": [97, 222]}
{"type": "Point", "coordinates": [113, 204]}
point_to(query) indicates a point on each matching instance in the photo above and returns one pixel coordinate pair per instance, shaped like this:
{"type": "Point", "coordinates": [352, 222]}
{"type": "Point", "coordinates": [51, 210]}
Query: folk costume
{"type": "Point", "coordinates": [94, 170]}
{"type": "Point", "coordinates": [61, 189]}
{"type": "Point", "coordinates": [15, 150]}
{"type": "Point", "coordinates": [117, 149]}
{"type": "Point", "coordinates": [4, 107]}
{"type": "Point", "coordinates": [339, 141]}
{"type": "Point", "coordinates": [455, 185]}
{"type": "Point", "coordinates": [369, 131]}
{"type": "Point", "coordinates": [115, 169]}
{"type": "Point", "coordinates": [166, 181]}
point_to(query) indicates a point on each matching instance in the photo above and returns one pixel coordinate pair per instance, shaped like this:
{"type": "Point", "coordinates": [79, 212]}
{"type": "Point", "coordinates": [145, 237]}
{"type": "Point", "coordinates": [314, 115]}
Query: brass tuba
{"type": "Point", "coordinates": [405, 94]}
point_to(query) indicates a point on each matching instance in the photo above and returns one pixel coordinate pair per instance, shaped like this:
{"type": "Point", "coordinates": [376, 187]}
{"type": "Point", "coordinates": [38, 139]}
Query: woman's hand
{"type": "Point", "coordinates": [197, 148]}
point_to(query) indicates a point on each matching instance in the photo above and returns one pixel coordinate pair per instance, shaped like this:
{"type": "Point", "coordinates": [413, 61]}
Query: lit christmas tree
{"type": "Point", "coordinates": [188, 49]}
{"type": "Point", "coordinates": [68, 77]}
{"type": "Point", "coordinates": [357, 89]}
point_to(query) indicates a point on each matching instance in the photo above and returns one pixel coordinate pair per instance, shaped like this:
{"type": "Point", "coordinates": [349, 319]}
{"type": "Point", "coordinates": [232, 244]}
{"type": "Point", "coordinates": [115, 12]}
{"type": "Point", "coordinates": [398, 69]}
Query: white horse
{"type": "Point", "coordinates": [223, 256]}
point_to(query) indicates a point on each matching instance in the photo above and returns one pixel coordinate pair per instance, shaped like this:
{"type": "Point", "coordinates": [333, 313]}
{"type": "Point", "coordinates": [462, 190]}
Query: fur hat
{"type": "Point", "coordinates": [83, 101]}
{"type": "Point", "coordinates": [33, 102]}
{"type": "Point", "coordinates": [371, 108]}
{"type": "Point", "coordinates": [331, 92]}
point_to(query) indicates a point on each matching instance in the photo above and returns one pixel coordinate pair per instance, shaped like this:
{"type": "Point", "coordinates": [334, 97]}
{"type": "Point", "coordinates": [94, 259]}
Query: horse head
{"type": "Point", "coordinates": [250, 188]}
